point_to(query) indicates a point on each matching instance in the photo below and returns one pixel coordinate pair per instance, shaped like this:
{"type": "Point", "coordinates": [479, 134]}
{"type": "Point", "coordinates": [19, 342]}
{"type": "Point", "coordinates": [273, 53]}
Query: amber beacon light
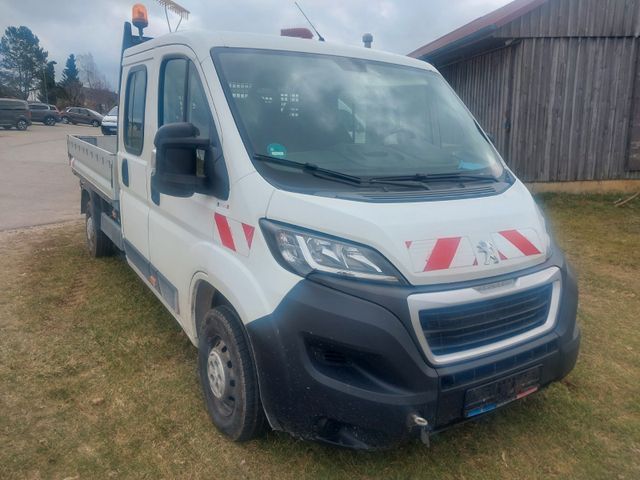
{"type": "Point", "coordinates": [139, 17]}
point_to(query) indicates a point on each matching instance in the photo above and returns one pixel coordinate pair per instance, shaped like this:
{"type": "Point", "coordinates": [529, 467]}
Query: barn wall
{"type": "Point", "coordinates": [577, 18]}
{"type": "Point", "coordinates": [483, 84]}
{"type": "Point", "coordinates": [560, 108]}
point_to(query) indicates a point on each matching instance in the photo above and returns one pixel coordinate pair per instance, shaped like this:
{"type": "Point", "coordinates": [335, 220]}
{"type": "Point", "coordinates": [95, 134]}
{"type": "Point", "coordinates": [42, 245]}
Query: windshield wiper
{"type": "Point", "coordinates": [429, 177]}
{"type": "Point", "coordinates": [311, 168]}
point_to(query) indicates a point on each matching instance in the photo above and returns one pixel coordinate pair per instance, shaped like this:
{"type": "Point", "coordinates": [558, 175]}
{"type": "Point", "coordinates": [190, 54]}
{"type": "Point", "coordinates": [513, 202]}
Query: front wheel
{"type": "Point", "coordinates": [22, 125]}
{"type": "Point", "coordinates": [65, 120]}
{"type": "Point", "coordinates": [95, 123]}
{"type": "Point", "coordinates": [228, 376]}
{"type": "Point", "coordinates": [50, 121]}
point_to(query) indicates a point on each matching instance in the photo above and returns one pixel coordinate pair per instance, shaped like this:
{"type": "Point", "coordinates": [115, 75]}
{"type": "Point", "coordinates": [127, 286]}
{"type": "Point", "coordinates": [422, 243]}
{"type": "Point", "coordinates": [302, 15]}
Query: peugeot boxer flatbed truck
{"type": "Point", "coordinates": [335, 233]}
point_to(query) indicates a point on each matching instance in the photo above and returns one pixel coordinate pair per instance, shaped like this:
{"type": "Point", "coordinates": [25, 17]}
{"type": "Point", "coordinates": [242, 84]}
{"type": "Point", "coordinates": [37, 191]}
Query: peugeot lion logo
{"type": "Point", "coordinates": [490, 254]}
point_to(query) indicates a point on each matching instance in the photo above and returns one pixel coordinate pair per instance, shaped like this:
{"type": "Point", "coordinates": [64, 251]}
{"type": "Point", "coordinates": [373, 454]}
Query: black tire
{"type": "Point", "coordinates": [49, 121]}
{"type": "Point", "coordinates": [95, 123]}
{"type": "Point", "coordinates": [22, 125]}
{"type": "Point", "coordinates": [98, 243]}
{"type": "Point", "coordinates": [65, 120]}
{"type": "Point", "coordinates": [235, 408]}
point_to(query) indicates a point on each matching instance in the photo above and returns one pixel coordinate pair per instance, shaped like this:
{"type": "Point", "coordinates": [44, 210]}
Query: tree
{"type": "Point", "coordinates": [70, 85]}
{"type": "Point", "coordinates": [90, 74]}
{"type": "Point", "coordinates": [21, 60]}
{"type": "Point", "coordinates": [47, 88]}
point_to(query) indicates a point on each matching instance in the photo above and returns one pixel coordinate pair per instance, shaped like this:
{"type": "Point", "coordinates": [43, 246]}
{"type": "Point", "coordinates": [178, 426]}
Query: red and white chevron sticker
{"type": "Point", "coordinates": [234, 235]}
{"type": "Point", "coordinates": [457, 252]}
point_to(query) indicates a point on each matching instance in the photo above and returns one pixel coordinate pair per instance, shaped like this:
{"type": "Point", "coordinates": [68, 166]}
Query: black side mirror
{"type": "Point", "coordinates": [181, 158]}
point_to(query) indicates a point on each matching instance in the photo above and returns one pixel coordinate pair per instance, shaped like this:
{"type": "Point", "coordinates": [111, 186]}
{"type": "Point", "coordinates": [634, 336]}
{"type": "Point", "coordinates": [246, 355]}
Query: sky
{"type": "Point", "coordinates": [95, 26]}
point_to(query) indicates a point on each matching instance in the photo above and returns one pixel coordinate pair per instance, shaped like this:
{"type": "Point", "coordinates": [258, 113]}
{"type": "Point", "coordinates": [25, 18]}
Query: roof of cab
{"type": "Point", "coordinates": [201, 42]}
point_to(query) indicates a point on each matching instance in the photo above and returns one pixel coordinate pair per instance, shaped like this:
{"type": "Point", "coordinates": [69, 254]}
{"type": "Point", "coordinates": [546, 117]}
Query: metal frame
{"type": "Point", "coordinates": [432, 300]}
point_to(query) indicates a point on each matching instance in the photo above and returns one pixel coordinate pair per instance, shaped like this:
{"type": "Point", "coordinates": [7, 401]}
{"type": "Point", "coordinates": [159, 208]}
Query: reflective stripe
{"type": "Point", "coordinates": [442, 254]}
{"type": "Point", "coordinates": [226, 238]}
{"type": "Point", "coordinates": [521, 242]}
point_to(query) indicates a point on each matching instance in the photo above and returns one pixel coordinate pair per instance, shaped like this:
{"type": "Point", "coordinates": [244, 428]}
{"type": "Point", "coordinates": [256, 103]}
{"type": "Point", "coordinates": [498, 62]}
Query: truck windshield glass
{"type": "Point", "coordinates": [358, 117]}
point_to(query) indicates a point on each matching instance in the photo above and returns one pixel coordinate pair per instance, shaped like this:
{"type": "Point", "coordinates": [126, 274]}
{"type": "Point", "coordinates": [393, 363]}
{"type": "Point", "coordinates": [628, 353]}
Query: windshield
{"type": "Point", "coordinates": [113, 112]}
{"type": "Point", "coordinates": [357, 117]}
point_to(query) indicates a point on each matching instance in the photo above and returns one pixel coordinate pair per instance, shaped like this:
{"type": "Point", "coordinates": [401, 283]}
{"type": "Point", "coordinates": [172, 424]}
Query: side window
{"type": "Point", "coordinates": [134, 111]}
{"type": "Point", "coordinates": [182, 97]}
{"type": "Point", "coordinates": [174, 91]}
{"type": "Point", "coordinates": [198, 107]}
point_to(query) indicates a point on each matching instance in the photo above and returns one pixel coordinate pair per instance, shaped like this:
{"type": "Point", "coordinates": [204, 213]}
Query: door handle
{"type": "Point", "coordinates": [125, 172]}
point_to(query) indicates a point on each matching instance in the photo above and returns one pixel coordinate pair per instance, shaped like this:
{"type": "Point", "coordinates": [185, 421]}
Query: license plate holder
{"type": "Point", "coordinates": [492, 395]}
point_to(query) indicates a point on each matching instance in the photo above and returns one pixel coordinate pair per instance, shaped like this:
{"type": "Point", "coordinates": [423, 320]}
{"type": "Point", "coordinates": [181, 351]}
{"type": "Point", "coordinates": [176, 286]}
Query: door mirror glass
{"type": "Point", "coordinates": [183, 161]}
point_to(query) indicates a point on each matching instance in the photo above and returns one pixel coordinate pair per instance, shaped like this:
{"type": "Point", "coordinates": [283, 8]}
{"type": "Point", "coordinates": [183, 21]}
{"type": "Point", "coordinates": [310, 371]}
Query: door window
{"type": "Point", "coordinates": [134, 111]}
{"type": "Point", "coordinates": [182, 97]}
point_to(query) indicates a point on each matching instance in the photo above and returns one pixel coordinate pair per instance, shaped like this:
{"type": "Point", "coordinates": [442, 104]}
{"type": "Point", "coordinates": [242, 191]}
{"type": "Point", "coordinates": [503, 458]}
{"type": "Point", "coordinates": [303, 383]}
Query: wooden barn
{"type": "Point", "coordinates": [556, 82]}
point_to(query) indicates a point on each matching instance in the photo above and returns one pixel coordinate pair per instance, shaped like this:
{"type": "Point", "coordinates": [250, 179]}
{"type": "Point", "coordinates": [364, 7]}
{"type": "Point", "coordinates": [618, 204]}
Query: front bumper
{"type": "Point", "coordinates": [109, 129]}
{"type": "Point", "coordinates": [339, 362]}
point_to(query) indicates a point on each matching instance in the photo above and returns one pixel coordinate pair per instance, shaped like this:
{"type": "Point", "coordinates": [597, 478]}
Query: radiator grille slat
{"type": "Point", "coordinates": [463, 327]}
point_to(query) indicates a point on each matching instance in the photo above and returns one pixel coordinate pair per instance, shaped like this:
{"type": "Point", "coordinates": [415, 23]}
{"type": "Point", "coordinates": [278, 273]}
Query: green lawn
{"type": "Point", "coordinates": [98, 381]}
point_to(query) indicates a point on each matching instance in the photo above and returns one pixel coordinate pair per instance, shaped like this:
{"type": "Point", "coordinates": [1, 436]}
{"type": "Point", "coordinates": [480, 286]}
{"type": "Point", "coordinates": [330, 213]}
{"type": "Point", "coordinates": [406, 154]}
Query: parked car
{"type": "Point", "coordinates": [333, 231]}
{"type": "Point", "coordinates": [14, 113]}
{"type": "Point", "coordinates": [109, 125]}
{"type": "Point", "coordinates": [47, 114]}
{"type": "Point", "coordinates": [84, 115]}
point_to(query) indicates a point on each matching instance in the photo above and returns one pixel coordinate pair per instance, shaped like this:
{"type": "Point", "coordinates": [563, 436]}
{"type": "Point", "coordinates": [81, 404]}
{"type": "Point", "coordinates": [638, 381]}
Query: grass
{"type": "Point", "coordinates": [98, 381]}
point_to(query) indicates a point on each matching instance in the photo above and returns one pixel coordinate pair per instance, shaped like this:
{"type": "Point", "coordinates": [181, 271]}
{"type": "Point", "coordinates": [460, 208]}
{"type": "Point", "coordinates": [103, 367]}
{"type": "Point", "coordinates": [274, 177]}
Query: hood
{"type": "Point", "coordinates": [431, 242]}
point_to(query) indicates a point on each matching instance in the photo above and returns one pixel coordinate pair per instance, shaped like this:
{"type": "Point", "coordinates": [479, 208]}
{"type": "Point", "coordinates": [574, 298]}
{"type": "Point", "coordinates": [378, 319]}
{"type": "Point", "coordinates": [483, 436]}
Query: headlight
{"type": "Point", "coordinates": [302, 252]}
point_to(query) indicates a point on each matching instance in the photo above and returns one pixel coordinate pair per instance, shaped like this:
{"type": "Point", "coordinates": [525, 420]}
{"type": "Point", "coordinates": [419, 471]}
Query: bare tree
{"type": "Point", "coordinates": [90, 74]}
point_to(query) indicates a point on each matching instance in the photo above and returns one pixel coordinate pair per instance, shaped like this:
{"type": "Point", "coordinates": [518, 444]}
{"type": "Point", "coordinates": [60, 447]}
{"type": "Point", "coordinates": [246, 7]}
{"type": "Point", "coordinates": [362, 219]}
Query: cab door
{"type": "Point", "coordinates": [177, 224]}
{"type": "Point", "coordinates": [135, 145]}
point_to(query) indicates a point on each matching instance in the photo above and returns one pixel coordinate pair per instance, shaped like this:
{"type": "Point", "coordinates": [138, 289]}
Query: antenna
{"type": "Point", "coordinates": [182, 12]}
{"type": "Point", "coordinates": [320, 37]}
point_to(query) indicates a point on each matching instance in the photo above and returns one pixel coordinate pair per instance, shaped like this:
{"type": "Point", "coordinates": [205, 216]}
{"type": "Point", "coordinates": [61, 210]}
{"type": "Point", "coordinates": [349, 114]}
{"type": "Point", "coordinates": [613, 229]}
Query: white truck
{"type": "Point", "coordinates": [335, 233]}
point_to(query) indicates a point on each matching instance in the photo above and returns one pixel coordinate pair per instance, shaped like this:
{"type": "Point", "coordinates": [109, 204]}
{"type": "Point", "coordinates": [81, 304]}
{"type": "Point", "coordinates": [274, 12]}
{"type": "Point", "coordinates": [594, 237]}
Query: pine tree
{"type": "Point", "coordinates": [47, 88]}
{"type": "Point", "coordinates": [70, 85]}
{"type": "Point", "coordinates": [70, 73]}
{"type": "Point", "coordinates": [21, 60]}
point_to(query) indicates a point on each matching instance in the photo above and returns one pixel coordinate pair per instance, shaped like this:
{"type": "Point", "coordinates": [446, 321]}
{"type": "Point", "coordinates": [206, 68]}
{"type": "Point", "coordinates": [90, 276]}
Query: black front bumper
{"type": "Point", "coordinates": [340, 363]}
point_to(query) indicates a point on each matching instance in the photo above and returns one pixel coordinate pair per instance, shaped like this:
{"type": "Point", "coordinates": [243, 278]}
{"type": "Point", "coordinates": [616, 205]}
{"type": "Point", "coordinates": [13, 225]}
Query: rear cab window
{"type": "Point", "coordinates": [135, 101]}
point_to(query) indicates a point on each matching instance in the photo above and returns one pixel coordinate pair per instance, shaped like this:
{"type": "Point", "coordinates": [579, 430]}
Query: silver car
{"type": "Point", "coordinates": [109, 125]}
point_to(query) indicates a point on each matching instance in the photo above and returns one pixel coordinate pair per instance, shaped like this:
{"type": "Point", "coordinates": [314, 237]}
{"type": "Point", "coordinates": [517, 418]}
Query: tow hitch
{"type": "Point", "coordinates": [416, 421]}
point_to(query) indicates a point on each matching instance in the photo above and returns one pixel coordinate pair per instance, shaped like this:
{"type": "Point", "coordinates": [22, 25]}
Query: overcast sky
{"type": "Point", "coordinates": [82, 26]}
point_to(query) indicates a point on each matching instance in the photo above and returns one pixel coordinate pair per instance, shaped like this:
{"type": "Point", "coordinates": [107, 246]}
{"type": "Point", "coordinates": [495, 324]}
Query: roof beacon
{"type": "Point", "coordinates": [299, 32]}
{"type": "Point", "coordinates": [139, 17]}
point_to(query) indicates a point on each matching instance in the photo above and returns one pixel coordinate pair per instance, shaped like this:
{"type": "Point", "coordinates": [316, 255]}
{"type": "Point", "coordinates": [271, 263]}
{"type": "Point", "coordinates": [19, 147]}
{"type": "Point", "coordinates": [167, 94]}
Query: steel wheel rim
{"type": "Point", "coordinates": [221, 378]}
{"type": "Point", "coordinates": [90, 232]}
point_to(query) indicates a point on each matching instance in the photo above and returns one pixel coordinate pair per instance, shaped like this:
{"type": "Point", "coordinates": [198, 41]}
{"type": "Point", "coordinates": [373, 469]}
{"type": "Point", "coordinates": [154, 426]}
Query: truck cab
{"type": "Point", "coordinates": [334, 232]}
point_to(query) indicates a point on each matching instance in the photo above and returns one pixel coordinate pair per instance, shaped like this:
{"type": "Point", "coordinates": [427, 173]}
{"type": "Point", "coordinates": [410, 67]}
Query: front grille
{"type": "Point", "coordinates": [464, 327]}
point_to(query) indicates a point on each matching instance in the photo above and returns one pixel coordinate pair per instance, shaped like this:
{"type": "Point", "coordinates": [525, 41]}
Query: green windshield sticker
{"type": "Point", "coordinates": [277, 150]}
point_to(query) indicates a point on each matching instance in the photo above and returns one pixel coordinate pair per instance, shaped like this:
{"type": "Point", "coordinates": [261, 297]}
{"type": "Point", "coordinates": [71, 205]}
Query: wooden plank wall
{"type": "Point", "coordinates": [483, 84]}
{"type": "Point", "coordinates": [564, 108]}
{"type": "Point", "coordinates": [577, 18]}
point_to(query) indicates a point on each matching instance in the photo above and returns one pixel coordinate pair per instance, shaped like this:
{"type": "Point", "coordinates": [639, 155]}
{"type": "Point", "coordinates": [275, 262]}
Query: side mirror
{"type": "Point", "coordinates": [181, 159]}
